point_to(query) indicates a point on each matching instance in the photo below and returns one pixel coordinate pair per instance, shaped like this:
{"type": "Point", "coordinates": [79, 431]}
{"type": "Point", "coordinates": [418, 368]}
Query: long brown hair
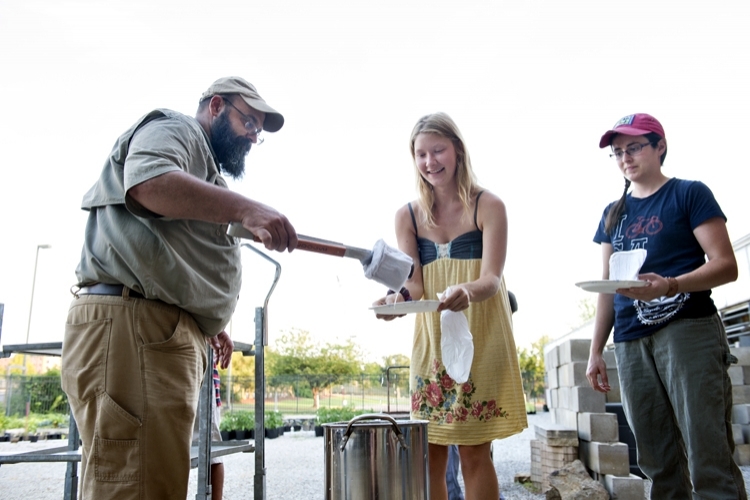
{"type": "Point", "coordinates": [441, 124]}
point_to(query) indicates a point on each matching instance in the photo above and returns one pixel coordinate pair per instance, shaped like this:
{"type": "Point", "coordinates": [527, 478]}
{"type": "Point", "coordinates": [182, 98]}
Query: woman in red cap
{"type": "Point", "coordinates": [670, 344]}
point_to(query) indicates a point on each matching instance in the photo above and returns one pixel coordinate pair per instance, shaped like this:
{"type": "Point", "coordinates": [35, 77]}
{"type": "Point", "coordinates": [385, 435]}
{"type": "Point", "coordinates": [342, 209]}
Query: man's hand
{"type": "Point", "coordinates": [271, 227]}
{"type": "Point", "coordinates": [223, 348]}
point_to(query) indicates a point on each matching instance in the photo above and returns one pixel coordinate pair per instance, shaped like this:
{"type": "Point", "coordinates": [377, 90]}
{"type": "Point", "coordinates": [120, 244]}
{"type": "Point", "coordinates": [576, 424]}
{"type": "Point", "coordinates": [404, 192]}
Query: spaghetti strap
{"type": "Point", "coordinates": [414, 220]}
{"type": "Point", "coordinates": [476, 209]}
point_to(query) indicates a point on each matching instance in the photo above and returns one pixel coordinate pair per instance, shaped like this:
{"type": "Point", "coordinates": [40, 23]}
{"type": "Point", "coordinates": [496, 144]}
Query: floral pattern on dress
{"type": "Point", "coordinates": [440, 399]}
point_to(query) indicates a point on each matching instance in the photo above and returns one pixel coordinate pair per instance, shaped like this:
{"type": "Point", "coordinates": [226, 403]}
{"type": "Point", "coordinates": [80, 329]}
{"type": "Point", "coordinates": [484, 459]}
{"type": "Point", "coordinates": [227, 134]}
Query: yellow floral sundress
{"type": "Point", "coordinates": [490, 404]}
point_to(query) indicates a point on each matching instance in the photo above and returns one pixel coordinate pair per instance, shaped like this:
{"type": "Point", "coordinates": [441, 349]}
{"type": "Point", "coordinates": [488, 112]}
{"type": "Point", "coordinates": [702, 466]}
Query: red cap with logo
{"type": "Point", "coordinates": [637, 124]}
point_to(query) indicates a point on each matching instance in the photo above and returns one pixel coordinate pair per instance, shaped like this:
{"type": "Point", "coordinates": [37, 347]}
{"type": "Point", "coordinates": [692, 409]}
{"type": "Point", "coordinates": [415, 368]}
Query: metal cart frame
{"type": "Point", "coordinates": [200, 455]}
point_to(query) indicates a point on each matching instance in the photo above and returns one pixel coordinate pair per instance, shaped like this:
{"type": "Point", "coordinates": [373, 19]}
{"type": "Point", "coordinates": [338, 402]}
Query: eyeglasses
{"type": "Point", "coordinates": [250, 123]}
{"type": "Point", "coordinates": [632, 150]}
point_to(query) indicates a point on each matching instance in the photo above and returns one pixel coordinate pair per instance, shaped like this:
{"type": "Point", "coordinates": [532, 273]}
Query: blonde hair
{"type": "Point", "coordinates": [441, 124]}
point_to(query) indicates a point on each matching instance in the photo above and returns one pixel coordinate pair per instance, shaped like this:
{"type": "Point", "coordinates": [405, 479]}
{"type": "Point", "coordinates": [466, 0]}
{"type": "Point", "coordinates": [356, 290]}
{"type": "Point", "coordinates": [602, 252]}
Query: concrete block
{"type": "Point", "coordinates": [613, 377]}
{"type": "Point", "coordinates": [563, 397]}
{"type": "Point", "coordinates": [565, 418]}
{"type": "Point", "coordinates": [552, 379]}
{"type": "Point", "coordinates": [601, 427]}
{"type": "Point", "coordinates": [605, 458]}
{"type": "Point", "coordinates": [745, 430]}
{"type": "Point", "coordinates": [547, 459]}
{"type": "Point", "coordinates": [557, 456]}
{"type": "Point", "coordinates": [586, 399]}
{"type": "Point", "coordinates": [553, 398]}
{"type": "Point", "coordinates": [609, 358]}
{"type": "Point", "coordinates": [624, 488]}
{"type": "Point", "coordinates": [556, 435]}
{"type": "Point", "coordinates": [574, 350]}
{"type": "Point", "coordinates": [551, 358]}
{"type": "Point", "coordinates": [737, 374]}
{"type": "Point", "coordinates": [743, 355]}
{"type": "Point", "coordinates": [741, 414]}
{"type": "Point", "coordinates": [739, 438]}
{"type": "Point", "coordinates": [572, 374]}
{"type": "Point", "coordinates": [742, 454]}
{"type": "Point", "coordinates": [740, 394]}
{"type": "Point", "coordinates": [613, 396]}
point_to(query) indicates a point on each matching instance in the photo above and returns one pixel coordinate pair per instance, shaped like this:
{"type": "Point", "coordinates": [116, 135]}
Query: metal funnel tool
{"type": "Point", "coordinates": [385, 265]}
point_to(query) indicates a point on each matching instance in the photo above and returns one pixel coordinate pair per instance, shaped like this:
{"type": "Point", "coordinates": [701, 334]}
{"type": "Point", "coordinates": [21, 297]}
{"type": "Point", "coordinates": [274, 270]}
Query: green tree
{"type": "Point", "coordinates": [531, 362]}
{"type": "Point", "coordinates": [319, 366]}
{"type": "Point", "coordinates": [587, 308]}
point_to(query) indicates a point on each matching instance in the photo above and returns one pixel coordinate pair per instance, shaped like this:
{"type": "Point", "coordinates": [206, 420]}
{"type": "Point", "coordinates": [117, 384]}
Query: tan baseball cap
{"type": "Point", "coordinates": [236, 85]}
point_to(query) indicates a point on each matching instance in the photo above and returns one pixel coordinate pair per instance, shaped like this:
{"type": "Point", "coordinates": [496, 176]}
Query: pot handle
{"type": "Point", "coordinates": [374, 416]}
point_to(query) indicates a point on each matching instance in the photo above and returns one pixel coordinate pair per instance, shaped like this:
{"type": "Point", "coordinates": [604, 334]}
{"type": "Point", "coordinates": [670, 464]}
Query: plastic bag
{"type": "Point", "coordinates": [456, 343]}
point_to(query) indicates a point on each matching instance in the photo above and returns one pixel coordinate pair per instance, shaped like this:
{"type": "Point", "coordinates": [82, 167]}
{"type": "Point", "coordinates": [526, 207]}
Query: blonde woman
{"type": "Point", "coordinates": [456, 233]}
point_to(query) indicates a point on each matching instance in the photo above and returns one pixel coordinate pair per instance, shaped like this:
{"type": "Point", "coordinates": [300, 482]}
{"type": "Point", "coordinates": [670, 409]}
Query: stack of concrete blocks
{"type": "Point", "coordinates": [574, 405]}
{"type": "Point", "coordinates": [553, 447]}
{"type": "Point", "coordinates": [740, 375]}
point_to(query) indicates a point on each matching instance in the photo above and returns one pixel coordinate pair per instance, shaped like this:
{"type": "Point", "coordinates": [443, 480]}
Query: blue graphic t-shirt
{"type": "Point", "coordinates": [663, 225]}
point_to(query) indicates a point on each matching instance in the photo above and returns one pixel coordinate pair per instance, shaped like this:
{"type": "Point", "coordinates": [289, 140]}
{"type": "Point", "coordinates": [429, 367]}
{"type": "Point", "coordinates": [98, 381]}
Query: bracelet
{"type": "Point", "coordinates": [673, 286]}
{"type": "Point", "coordinates": [404, 293]}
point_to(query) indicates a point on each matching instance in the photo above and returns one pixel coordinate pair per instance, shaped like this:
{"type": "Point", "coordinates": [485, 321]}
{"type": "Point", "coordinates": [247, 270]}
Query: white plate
{"type": "Point", "coordinates": [414, 306]}
{"type": "Point", "coordinates": [609, 286]}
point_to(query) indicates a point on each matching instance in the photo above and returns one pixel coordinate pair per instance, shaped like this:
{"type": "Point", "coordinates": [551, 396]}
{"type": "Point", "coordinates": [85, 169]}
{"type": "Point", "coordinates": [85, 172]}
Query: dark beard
{"type": "Point", "coordinates": [230, 149]}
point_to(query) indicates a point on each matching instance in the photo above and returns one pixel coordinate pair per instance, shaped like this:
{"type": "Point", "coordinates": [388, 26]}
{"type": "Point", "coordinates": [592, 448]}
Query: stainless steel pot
{"type": "Point", "coordinates": [375, 457]}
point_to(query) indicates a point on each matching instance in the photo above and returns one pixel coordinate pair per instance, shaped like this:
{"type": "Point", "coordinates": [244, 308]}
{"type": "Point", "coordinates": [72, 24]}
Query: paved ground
{"type": "Point", "coordinates": [294, 470]}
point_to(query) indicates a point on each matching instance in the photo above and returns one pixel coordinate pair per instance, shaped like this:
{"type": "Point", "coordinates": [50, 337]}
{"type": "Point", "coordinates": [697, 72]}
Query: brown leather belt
{"type": "Point", "coordinates": [105, 289]}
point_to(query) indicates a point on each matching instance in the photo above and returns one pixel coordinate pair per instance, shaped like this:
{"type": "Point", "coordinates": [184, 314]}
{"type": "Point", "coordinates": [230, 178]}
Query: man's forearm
{"type": "Point", "coordinates": [178, 195]}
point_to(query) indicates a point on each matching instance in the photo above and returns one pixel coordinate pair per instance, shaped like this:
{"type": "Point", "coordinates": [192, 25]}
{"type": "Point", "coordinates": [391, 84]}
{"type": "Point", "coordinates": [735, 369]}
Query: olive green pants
{"type": "Point", "coordinates": [132, 370]}
{"type": "Point", "coordinates": [677, 397]}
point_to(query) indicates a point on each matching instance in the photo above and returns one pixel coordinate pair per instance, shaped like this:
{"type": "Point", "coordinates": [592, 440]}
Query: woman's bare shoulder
{"type": "Point", "coordinates": [490, 201]}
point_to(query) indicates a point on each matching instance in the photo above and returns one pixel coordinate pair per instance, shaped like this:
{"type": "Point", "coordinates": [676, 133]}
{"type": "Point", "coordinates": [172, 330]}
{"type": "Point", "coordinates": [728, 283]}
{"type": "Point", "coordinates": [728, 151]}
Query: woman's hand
{"type": "Point", "coordinates": [657, 286]}
{"type": "Point", "coordinates": [457, 299]}
{"type": "Point", "coordinates": [389, 299]}
{"type": "Point", "coordinates": [596, 372]}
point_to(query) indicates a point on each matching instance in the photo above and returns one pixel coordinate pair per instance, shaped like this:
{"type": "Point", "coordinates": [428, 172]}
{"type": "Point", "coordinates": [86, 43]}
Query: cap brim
{"type": "Point", "coordinates": [273, 121]}
{"type": "Point", "coordinates": [606, 139]}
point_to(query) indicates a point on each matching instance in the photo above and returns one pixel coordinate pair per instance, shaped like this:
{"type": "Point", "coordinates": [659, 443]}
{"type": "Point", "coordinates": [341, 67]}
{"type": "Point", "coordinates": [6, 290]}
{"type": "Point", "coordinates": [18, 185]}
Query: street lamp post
{"type": "Point", "coordinates": [31, 304]}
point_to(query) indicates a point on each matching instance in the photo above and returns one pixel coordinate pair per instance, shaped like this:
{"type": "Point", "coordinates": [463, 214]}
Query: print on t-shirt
{"type": "Point", "coordinates": [661, 308]}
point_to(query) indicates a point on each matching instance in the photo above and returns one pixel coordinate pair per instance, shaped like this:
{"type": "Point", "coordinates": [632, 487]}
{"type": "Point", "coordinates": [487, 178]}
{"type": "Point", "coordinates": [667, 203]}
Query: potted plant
{"type": "Point", "coordinates": [57, 421]}
{"type": "Point", "coordinates": [274, 423]}
{"type": "Point", "coordinates": [328, 416]}
{"type": "Point", "coordinates": [333, 415]}
{"type": "Point", "coordinates": [30, 429]}
{"type": "Point", "coordinates": [228, 426]}
{"type": "Point", "coordinates": [245, 424]}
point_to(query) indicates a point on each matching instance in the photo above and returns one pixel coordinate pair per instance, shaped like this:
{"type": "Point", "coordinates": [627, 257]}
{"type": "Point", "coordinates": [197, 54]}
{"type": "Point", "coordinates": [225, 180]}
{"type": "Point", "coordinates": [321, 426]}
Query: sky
{"type": "Point", "coordinates": [531, 85]}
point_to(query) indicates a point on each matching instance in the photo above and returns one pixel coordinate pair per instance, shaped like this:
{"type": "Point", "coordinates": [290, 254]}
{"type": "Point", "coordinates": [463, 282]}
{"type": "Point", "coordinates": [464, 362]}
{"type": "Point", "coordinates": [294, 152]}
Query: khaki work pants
{"type": "Point", "coordinates": [132, 370]}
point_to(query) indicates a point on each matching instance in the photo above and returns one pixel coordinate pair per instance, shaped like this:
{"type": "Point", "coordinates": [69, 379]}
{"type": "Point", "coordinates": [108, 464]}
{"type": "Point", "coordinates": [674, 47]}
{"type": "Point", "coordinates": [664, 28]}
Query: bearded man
{"type": "Point", "coordinates": [158, 276]}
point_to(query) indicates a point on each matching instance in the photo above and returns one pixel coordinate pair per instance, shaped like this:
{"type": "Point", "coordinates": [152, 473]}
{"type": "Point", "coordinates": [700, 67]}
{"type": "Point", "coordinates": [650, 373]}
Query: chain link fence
{"type": "Point", "coordinates": [298, 394]}
{"type": "Point", "coordinates": [289, 394]}
{"type": "Point", "coordinates": [21, 394]}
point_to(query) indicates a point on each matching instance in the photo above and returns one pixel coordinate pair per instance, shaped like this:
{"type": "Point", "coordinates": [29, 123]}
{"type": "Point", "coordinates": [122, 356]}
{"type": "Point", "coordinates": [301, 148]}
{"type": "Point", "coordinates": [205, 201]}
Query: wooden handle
{"type": "Point", "coordinates": [306, 243]}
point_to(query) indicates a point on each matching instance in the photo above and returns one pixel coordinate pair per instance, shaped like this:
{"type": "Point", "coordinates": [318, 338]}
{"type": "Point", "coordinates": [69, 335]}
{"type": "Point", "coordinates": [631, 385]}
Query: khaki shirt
{"type": "Point", "coordinates": [191, 264]}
